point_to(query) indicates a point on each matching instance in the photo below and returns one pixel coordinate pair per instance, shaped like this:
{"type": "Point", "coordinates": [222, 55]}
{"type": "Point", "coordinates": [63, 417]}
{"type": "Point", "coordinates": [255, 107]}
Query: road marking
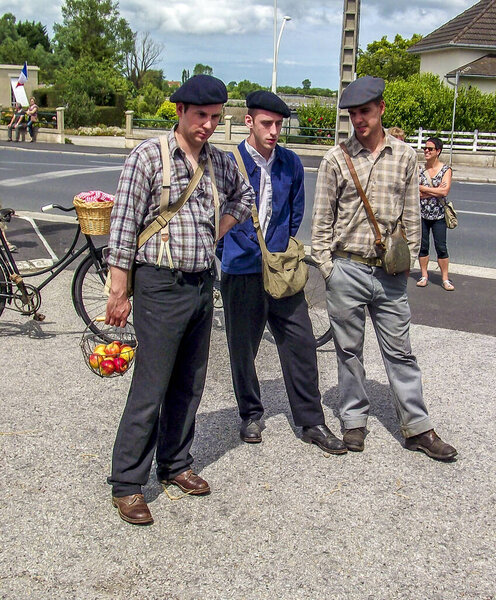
{"type": "Point", "coordinates": [40, 216]}
{"type": "Point", "coordinates": [18, 181]}
{"type": "Point", "coordinates": [36, 264]}
{"type": "Point", "coordinates": [469, 212]}
{"type": "Point", "coordinates": [43, 240]}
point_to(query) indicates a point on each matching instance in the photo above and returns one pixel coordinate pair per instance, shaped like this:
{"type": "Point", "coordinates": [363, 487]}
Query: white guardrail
{"type": "Point", "coordinates": [475, 141]}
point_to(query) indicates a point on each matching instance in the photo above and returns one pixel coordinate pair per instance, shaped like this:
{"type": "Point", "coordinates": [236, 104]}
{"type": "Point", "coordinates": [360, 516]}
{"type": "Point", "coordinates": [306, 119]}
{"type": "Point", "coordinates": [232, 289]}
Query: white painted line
{"type": "Point", "coordinates": [18, 181]}
{"type": "Point", "coordinates": [469, 212]}
{"type": "Point", "coordinates": [41, 216]}
{"type": "Point", "coordinates": [43, 240]}
{"type": "Point", "coordinates": [37, 264]}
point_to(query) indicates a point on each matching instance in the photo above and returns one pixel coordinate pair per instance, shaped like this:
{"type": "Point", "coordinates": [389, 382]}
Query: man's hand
{"type": "Point", "coordinates": [226, 223]}
{"type": "Point", "coordinates": [118, 305]}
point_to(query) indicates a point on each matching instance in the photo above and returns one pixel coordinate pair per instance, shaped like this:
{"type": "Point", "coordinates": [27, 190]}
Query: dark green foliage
{"type": "Point", "coordinates": [389, 60]}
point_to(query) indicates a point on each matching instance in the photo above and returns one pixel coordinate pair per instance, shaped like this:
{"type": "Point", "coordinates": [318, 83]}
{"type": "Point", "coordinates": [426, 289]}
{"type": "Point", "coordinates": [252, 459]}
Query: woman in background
{"type": "Point", "coordinates": [435, 184]}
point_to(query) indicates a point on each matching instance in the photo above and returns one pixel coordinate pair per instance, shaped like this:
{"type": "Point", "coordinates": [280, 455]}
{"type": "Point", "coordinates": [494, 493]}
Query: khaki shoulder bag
{"type": "Point", "coordinates": [284, 273]}
{"type": "Point", "coordinates": [393, 249]}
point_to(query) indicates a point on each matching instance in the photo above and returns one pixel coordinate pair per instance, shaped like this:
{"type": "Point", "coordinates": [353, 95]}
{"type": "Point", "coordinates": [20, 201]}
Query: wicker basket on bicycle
{"type": "Point", "coordinates": [111, 352]}
{"type": "Point", "coordinates": [93, 210]}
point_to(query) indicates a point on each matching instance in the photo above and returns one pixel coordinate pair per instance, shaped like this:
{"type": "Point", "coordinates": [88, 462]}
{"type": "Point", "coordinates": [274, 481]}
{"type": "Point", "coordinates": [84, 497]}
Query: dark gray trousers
{"type": "Point", "coordinates": [247, 309]}
{"type": "Point", "coordinates": [172, 316]}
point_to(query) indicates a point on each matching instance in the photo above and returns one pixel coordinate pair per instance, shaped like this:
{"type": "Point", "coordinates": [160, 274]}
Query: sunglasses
{"type": "Point", "coordinates": [429, 148]}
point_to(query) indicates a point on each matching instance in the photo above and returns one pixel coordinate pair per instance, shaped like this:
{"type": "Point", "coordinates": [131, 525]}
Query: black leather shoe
{"type": "Point", "coordinates": [430, 443]}
{"type": "Point", "coordinates": [323, 437]}
{"type": "Point", "coordinates": [251, 431]}
{"type": "Point", "coordinates": [354, 439]}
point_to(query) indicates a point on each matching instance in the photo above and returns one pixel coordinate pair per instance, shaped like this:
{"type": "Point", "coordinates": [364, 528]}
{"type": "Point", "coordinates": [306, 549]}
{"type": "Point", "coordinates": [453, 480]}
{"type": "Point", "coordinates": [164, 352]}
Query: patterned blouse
{"type": "Point", "coordinates": [431, 207]}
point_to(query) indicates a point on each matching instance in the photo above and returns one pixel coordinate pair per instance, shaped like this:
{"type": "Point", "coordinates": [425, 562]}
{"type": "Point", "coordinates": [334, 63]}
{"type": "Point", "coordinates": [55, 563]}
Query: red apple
{"type": "Point", "coordinates": [107, 367]}
{"type": "Point", "coordinates": [120, 365]}
{"type": "Point", "coordinates": [127, 352]}
{"type": "Point", "coordinates": [95, 360]}
{"type": "Point", "coordinates": [113, 349]}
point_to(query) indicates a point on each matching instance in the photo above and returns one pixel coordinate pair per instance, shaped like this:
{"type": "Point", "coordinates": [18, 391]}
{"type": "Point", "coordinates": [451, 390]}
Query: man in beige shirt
{"type": "Point", "coordinates": [343, 244]}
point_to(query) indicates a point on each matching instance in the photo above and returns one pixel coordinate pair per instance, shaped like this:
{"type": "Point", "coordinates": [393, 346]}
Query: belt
{"type": "Point", "coordinates": [371, 262]}
{"type": "Point", "coordinates": [182, 276]}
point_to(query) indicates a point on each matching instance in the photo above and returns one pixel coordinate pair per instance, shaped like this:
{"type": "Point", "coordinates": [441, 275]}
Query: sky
{"type": "Point", "coordinates": [235, 37]}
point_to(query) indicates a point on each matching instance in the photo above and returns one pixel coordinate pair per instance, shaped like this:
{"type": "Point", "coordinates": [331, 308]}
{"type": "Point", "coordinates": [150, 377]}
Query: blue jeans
{"type": "Point", "coordinates": [438, 229]}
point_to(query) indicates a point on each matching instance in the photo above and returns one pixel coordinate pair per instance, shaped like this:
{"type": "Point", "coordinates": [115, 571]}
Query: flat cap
{"type": "Point", "coordinates": [362, 90]}
{"type": "Point", "coordinates": [201, 90]}
{"type": "Point", "coordinates": [267, 101]}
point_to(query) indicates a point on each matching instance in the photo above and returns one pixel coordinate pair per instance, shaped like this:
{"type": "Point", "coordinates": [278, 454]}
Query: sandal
{"type": "Point", "coordinates": [448, 285]}
{"type": "Point", "coordinates": [422, 282]}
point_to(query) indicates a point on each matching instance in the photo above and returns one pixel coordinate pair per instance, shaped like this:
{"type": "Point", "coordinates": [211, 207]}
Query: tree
{"type": "Point", "coordinates": [389, 60]}
{"type": "Point", "coordinates": [35, 33]}
{"type": "Point", "coordinates": [185, 76]}
{"type": "Point", "coordinates": [144, 53]}
{"type": "Point", "coordinates": [202, 70]}
{"type": "Point", "coordinates": [307, 84]}
{"type": "Point", "coordinates": [94, 29]}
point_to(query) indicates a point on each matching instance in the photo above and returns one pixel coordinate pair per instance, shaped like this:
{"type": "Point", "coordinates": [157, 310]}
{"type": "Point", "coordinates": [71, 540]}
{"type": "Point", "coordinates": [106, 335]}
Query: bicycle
{"type": "Point", "coordinates": [87, 284]}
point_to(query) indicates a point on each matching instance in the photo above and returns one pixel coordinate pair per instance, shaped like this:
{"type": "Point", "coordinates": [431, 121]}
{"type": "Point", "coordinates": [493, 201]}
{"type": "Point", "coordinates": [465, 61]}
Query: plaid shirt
{"type": "Point", "coordinates": [192, 229]}
{"type": "Point", "coordinates": [390, 182]}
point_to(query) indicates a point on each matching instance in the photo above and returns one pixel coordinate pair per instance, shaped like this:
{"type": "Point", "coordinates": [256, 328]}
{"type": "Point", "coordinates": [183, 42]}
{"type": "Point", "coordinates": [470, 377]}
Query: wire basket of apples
{"type": "Point", "coordinates": [110, 353]}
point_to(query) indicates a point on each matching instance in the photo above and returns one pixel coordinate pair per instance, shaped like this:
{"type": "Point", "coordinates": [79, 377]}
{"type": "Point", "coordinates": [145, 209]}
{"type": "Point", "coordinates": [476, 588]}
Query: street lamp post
{"type": "Point", "coordinates": [276, 46]}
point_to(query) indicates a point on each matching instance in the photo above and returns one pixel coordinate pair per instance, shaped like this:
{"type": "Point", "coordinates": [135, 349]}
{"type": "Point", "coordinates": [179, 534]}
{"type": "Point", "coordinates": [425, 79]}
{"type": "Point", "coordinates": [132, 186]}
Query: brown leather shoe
{"type": "Point", "coordinates": [430, 443]}
{"type": "Point", "coordinates": [133, 509]}
{"type": "Point", "coordinates": [190, 483]}
{"type": "Point", "coordinates": [354, 439]}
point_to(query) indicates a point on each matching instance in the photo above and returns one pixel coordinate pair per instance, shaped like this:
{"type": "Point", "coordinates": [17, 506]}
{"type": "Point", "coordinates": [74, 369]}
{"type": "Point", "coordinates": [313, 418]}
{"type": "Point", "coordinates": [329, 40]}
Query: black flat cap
{"type": "Point", "coordinates": [267, 101]}
{"type": "Point", "coordinates": [362, 90]}
{"type": "Point", "coordinates": [201, 90]}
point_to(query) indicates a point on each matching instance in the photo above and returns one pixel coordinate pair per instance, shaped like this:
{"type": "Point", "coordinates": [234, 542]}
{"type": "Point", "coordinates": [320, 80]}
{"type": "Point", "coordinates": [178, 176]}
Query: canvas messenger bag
{"type": "Point", "coordinates": [284, 273]}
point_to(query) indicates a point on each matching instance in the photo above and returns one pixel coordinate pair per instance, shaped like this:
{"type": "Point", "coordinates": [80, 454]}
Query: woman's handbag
{"type": "Point", "coordinates": [284, 273]}
{"type": "Point", "coordinates": [450, 215]}
{"type": "Point", "coordinates": [393, 250]}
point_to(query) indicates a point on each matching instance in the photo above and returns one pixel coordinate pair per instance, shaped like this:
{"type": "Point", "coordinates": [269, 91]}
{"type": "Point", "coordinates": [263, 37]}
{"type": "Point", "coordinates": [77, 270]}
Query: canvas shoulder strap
{"type": "Point", "coordinates": [254, 212]}
{"type": "Point", "coordinates": [361, 193]}
{"type": "Point", "coordinates": [164, 217]}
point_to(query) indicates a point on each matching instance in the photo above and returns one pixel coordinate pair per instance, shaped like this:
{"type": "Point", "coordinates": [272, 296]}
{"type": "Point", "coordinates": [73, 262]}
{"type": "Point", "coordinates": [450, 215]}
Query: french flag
{"type": "Point", "coordinates": [23, 77]}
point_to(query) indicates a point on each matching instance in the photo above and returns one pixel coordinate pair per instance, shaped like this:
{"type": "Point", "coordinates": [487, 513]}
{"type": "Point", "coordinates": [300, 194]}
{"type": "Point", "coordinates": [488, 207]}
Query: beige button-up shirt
{"type": "Point", "coordinates": [390, 182]}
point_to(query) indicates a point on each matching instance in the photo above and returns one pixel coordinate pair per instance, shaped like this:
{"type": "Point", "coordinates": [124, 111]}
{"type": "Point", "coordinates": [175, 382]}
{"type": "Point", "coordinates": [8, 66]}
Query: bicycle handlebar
{"type": "Point", "coordinates": [58, 207]}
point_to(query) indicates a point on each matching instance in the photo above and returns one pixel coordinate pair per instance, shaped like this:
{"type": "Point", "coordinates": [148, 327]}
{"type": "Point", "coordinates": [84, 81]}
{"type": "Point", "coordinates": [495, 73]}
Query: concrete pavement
{"type": "Point", "coordinates": [284, 520]}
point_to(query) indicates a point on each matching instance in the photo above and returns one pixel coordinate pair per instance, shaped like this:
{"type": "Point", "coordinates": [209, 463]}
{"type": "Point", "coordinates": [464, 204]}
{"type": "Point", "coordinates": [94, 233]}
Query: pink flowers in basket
{"type": "Point", "coordinates": [95, 196]}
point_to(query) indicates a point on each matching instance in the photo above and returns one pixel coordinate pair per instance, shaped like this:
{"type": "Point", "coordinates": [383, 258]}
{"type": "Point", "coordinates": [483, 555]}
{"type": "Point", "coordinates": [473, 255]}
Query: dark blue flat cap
{"type": "Point", "coordinates": [267, 101]}
{"type": "Point", "coordinates": [362, 90]}
{"type": "Point", "coordinates": [201, 90]}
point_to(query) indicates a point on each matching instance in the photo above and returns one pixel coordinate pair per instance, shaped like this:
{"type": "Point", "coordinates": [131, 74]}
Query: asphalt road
{"type": "Point", "coordinates": [34, 178]}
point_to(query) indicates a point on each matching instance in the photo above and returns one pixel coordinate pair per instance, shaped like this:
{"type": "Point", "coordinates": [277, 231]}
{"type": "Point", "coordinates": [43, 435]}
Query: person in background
{"type": "Point", "coordinates": [435, 185]}
{"type": "Point", "coordinates": [17, 123]}
{"type": "Point", "coordinates": [397, 132]}
{"type": "Point", "coordinates": [32, 113]}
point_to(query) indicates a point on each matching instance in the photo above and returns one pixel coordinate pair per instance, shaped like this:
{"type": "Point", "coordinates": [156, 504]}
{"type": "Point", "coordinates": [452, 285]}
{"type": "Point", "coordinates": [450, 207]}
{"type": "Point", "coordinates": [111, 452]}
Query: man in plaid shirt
{"type": "Point", "coordinates": [173, 286]}
{"type": "Point", "coordinates": [343, 245]}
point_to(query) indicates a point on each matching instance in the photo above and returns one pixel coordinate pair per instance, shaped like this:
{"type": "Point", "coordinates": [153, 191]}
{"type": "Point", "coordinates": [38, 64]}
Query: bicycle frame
{"type": "Point", "coordinates": [69, 257]}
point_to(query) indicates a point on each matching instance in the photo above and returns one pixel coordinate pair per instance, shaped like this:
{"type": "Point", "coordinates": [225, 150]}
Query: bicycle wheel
{"type": "Point", "coordinates": [315, 294]}
{"type": "Point", "coordinates": [88, 296]}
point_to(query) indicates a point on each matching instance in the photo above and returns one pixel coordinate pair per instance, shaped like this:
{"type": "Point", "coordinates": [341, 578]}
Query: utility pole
{"type": "Point", "coordinates": [347, 63]}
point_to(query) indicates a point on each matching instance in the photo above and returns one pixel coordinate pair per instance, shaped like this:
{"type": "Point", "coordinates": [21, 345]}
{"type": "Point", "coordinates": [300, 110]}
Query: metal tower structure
{"type": "Point", "coordinates": [347, 63]}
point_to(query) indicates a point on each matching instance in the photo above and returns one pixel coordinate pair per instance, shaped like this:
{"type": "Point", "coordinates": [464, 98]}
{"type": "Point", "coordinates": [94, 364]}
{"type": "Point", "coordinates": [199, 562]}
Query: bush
{"type": "Point", "coordinates": [109, 115]}
{"type": "Point", "coordinates": [317, 121]}
{"type": "Point", "coordinates": [80, 110]}
{"type": "Point", "coordinates": [167, 110]}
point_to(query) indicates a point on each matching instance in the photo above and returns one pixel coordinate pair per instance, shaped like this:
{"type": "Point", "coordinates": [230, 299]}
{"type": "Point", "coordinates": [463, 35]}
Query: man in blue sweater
{"type": "Point", "coordinates": [276, 175]}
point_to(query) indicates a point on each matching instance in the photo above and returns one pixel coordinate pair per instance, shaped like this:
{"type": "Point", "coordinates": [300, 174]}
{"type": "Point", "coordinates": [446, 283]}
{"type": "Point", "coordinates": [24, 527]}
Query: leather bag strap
{"type": "Point", "coordinates": [361, 193]}
{"type": "Point", "coordinates": [254, 211]}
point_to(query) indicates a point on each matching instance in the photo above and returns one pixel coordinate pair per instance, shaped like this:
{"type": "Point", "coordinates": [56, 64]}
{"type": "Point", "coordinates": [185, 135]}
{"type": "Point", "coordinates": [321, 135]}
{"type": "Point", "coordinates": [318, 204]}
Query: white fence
{"type": "Point", "coordinates": [475, 141]}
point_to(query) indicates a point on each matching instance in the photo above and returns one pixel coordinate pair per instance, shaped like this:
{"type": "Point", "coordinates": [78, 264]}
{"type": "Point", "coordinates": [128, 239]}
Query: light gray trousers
{"type": "Point", "coordinates": [351, 287]}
